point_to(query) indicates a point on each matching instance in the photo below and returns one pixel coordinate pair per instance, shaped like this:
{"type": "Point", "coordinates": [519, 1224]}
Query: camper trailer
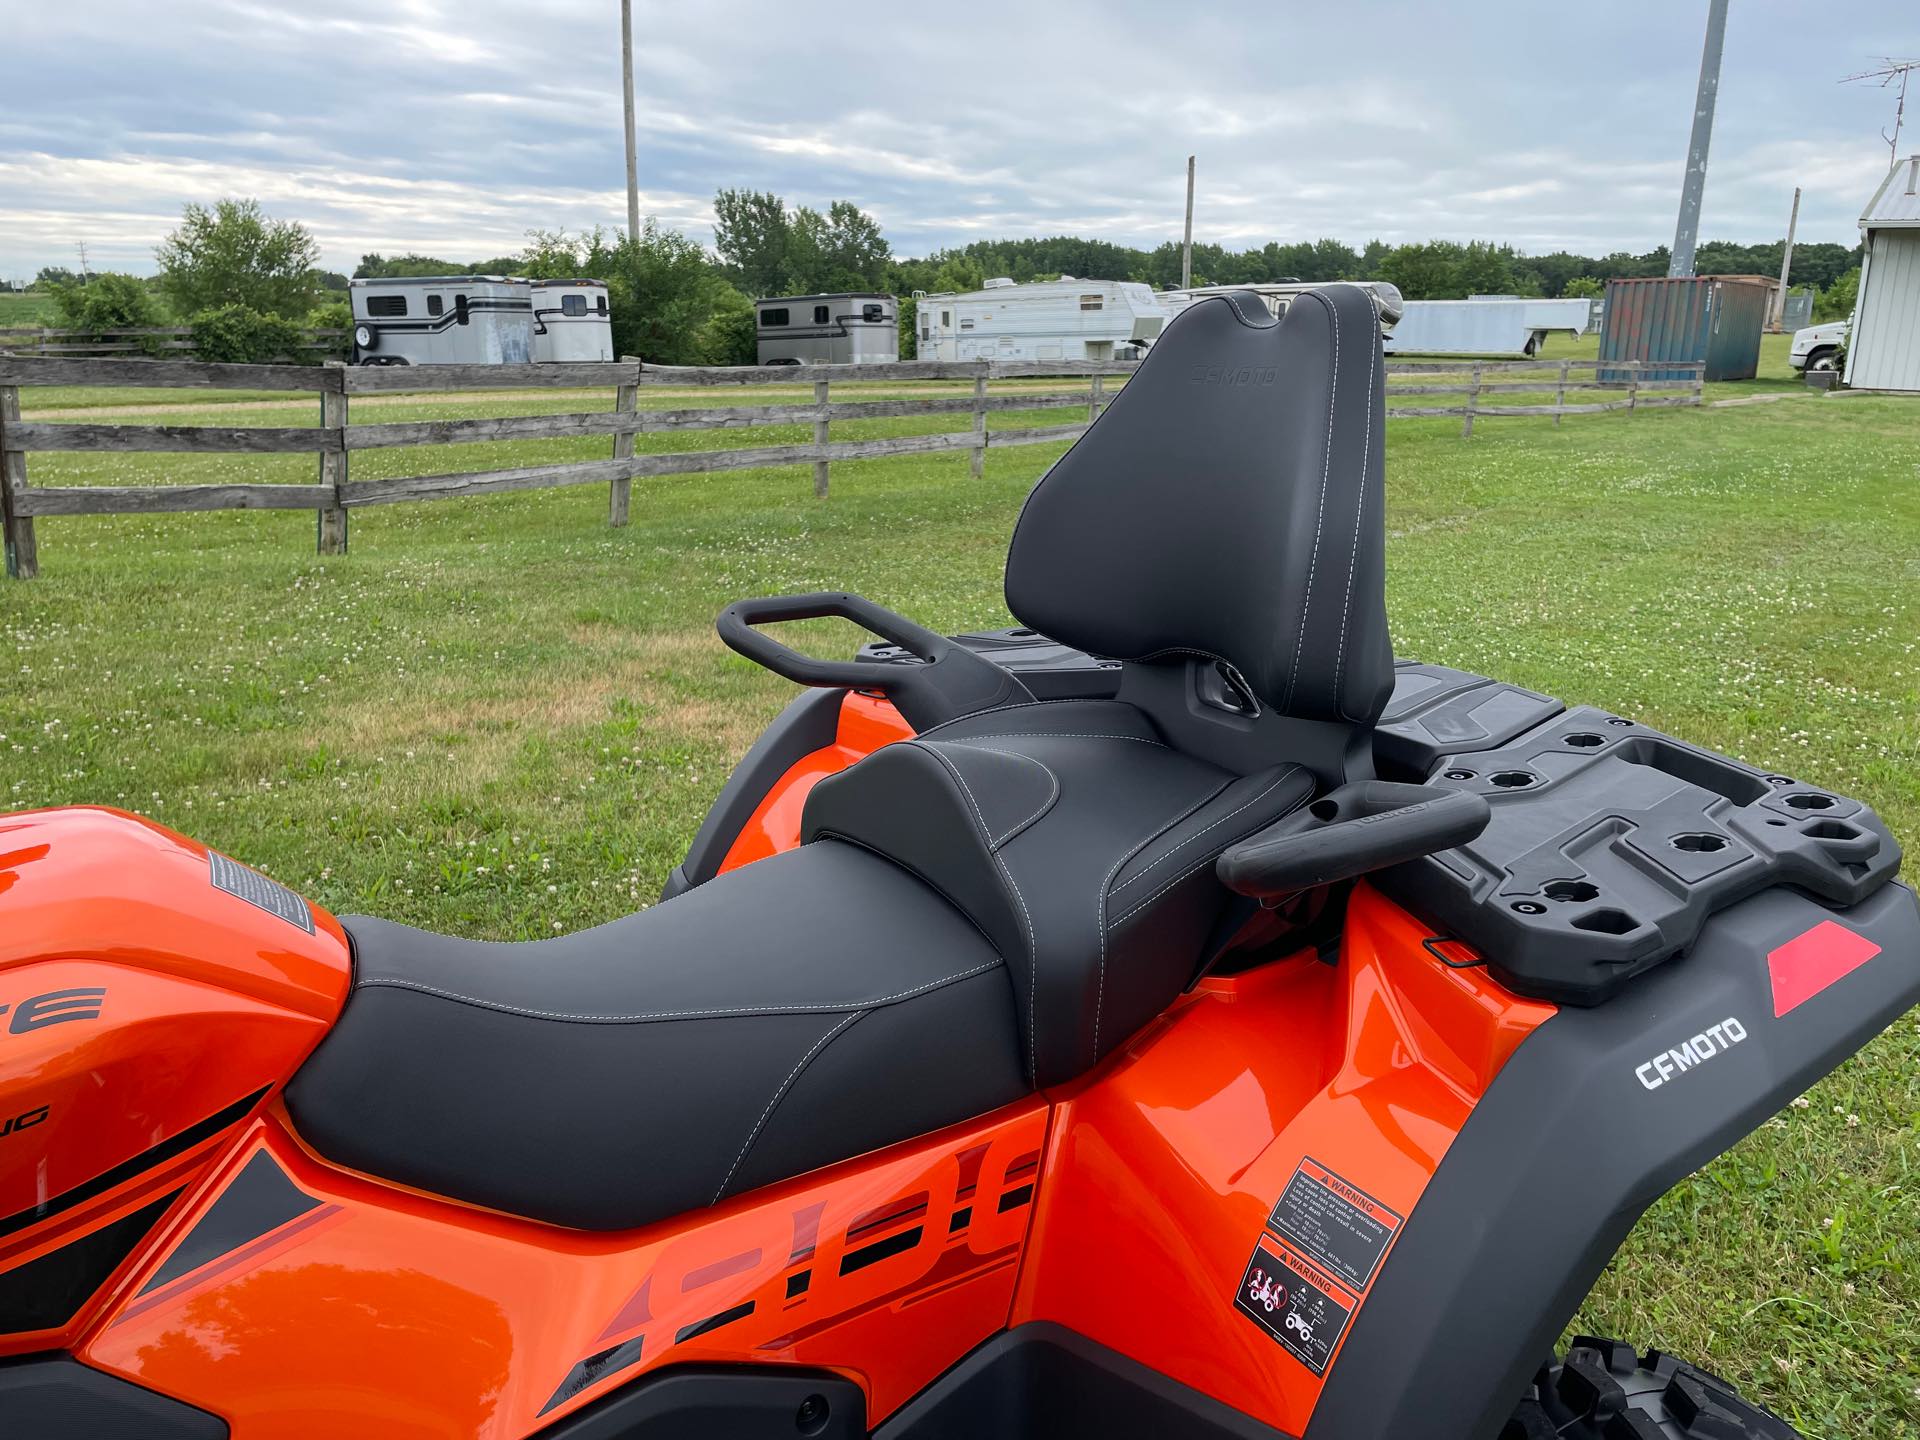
{"type": "Point", "coordinates": [827, 329]}
{"type": "Point", "coordinates": [441, 320]}
{"type": "Point", "coordinates": [1064, 319]}
{"type": "Point", "coordinates": [570, 321]}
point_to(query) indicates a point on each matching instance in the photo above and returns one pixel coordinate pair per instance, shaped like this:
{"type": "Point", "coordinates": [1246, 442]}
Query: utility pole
{"type": "Point", "coordinates": [1186, 246]}
{"type": "Point", "coordinates": [633, 158]}
{"type": "Point", "coordinates": [1786, 265]}
{"type": "Point", "coordinates": [1687, 232]}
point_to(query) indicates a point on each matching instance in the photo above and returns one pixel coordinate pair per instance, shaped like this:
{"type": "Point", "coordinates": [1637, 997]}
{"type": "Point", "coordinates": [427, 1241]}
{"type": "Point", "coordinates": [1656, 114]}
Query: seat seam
{"type": "Point", "coordinates": [1008, 709]}
{"type": "Point", "coordinates": [1353, 560]}
{"type": "Point", "coordinates": [648, 1017]}
{"type": "Point", "coordinates": [1033, 947]}
{"type": "Point", "coordinates": [1157, 863]}
{"type": "Point", "coordinates": [1045, 805]}
{"type": "Point", "coordinates": [1320, 515]}
{"type": "Point", "coordinates": [1100, 905]}
{"type": "Point", "coordinates": [1050, 735]}
{"type": "Point", "coordinates": [1202, 864]}
{"type": "Point", "coordinates": [780, 1094]}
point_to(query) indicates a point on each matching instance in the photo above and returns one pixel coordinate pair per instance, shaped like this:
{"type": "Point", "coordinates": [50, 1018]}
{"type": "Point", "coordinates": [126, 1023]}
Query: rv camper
{"type": "Point", "coordinates": [1064, 319]}
{"type": "Point", "coordinates": [827, 329]}
{"type": "Point", "coordinates": [441, 320]}
{"type": "Point", "coordinates": [570, 321]}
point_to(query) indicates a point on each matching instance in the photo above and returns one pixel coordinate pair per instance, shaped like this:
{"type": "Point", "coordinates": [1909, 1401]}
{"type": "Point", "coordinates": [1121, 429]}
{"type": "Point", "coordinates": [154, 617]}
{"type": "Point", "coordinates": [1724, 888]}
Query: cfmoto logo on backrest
{"type": "Point", "coordinates": [1670, 1064]}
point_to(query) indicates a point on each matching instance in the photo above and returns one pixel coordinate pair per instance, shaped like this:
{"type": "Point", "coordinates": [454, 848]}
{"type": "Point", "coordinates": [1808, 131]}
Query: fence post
{"type": "Point", "coordinates": [1700, 384]}
{"type": "Point", "coordinates": [1633, 386]}
{"type": "Point", "coordinates": [980, 422]}
{"type": "Point", "coordinates": [332, 520]}
{"type": "Point", "coordinates": [1560, 394]}
{"type": "Point", "coordinates": [1473, 402]}
{"type": "Point", "coordinates": [626, 402]}
{"type": "Point", "coordinates": [820, 426]}
{"type": "Point", "coordinates": [23, 556]}
{"type": "Point", "coordinates": [1098, 398]}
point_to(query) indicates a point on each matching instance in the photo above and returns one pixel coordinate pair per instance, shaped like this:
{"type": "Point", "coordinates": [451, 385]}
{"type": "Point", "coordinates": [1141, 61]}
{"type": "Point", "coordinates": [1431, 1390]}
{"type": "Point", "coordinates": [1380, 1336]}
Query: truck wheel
{"type": "Point", "coordinates": [1604, 1391]}
{"type": "Point", "coordinates": [1824, 360]}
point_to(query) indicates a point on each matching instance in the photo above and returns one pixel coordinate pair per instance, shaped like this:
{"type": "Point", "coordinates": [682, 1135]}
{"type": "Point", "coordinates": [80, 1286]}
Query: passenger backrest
{"type": "Point", "coordinates": [1230, 504]}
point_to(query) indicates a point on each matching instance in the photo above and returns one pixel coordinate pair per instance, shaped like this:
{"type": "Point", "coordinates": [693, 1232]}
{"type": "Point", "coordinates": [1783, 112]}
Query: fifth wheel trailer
{"type": "Point", "coordinates": [1064, 319]}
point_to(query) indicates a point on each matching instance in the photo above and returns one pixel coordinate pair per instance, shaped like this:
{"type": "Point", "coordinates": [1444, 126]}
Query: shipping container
{"type": "Point", "coordinates": [1716, 319]}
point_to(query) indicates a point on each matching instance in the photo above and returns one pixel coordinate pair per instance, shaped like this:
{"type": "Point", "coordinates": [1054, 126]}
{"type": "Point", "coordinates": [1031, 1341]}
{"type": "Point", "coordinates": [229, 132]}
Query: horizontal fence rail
{"type": "Point", "coordinates": [141, 340]}
{"type": "Point", "coordinates": [334, 440]}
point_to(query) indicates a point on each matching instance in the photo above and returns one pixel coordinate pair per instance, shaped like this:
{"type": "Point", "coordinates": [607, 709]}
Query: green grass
{"type": "Point", "coordinates": [29, 307]}
{"type": "Point", "coordinates": [500, 717]}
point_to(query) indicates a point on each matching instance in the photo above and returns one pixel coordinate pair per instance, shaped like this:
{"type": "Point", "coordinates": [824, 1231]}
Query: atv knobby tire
{"type": "Point", "coordinates": [1604, 1391]}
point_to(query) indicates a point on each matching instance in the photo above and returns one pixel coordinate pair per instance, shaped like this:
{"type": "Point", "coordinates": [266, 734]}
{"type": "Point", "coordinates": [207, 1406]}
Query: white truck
{"type": "Point", "coordinates": [1820, 347]}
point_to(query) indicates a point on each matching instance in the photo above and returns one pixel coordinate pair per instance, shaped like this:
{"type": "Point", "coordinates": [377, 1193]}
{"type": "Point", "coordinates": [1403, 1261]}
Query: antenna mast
{"type": "Point", "coordinates": [1891, 72]}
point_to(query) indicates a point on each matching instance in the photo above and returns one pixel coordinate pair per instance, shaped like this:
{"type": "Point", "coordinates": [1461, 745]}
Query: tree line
{"type": "Point", "coordinates": [247, 284]}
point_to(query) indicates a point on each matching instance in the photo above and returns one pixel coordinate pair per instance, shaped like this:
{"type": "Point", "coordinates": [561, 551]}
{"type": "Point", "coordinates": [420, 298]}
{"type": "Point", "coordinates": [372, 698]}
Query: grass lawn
{"type": "Point", "coordinates": [499, 716]}
{"type": "Point", "coordinates": [26, 307]}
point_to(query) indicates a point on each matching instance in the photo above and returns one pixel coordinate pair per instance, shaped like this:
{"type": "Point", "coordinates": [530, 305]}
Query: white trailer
{"type": "Point", "coordinates": [827, 329]}
{"type": "Point", "coordinates": [570, 321]}
{"type": "Point", "coordinates": [1509, 327]}
{"type": "Point", "coordinates": [442, 320]}
{"type": "Point", "coordinates": [1064, 319]}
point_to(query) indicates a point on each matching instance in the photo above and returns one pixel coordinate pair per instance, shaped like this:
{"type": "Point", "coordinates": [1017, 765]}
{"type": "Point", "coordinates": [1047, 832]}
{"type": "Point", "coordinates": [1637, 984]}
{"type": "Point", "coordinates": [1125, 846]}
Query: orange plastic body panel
{"type": "Point", "coordinates": [866, 723]}
{"type": "Point", "coordinates": [144, 1014]}
{"type": "Point", "coordinates": [383, 1312]}
{"type": "Point", "coordinates": [1163, 1167]}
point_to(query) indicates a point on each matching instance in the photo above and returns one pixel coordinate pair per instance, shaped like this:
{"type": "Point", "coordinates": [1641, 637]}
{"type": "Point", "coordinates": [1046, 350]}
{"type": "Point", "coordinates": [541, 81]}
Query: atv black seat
{"type": "Point", "coordinates": [1219, 531]}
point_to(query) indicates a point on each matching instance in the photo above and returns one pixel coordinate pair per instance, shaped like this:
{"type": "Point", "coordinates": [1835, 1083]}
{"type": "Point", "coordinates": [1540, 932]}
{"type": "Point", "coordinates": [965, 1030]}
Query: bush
{"type": "Point", "coordinates": [234, 334]}
{"type": "Point", "coordinates": [1836, 302]}
{"type": "Point", "coordinates": [107, 303]}
{"type": "Point", "coordinates": [729, 335]}
{"type": "Point", "coordinates": [336, 316]}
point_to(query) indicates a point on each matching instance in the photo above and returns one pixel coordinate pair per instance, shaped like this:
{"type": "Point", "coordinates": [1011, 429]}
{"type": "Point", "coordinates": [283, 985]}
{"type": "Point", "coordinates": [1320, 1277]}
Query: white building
{"type": "Point", "coordinates": [1064, 319]}
{"type": "Point", "coordinates": [1883, 353]}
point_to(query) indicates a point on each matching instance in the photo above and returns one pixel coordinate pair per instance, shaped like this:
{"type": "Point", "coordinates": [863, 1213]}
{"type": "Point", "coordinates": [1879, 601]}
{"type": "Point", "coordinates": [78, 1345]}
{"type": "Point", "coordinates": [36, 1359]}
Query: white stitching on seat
{"type": "Point", "coordinates": [1326, 474]}
{"type": "Point", "coordinates": [1136, 909]}
{"type": "Point", "coordinates": [1100, 900]}
{"type": "Point", "coordinates": [1033, 947]}
{"type": "Point", "coordinates": [779, 1095]}
{"type": "Point", "coordinates": [1052, 779]}
{"type": "Point", "coordinates": [1008, 709]}
{"type": "Point", "coordinates": [1353, 560]}
{"type": "Point", "coordinates": [715, 1014]}
{"type": "Point", "coordinates": [1156, 864]}
{"type": "Point", "coordinates": [1047, 735]}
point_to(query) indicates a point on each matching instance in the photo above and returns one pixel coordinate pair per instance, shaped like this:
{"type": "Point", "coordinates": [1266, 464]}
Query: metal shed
{"type": "Point", "coordinates": [1685, 319]}
{"type": "Point", "coordinates": [1883, 353]}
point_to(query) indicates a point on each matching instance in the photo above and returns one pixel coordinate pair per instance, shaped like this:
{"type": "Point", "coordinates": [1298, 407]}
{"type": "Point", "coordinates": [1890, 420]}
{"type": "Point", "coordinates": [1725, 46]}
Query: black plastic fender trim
{"type": "Point", "coordinates": [55, 1397]}
{"type": "Point", "coordinates": [1570, 1145]}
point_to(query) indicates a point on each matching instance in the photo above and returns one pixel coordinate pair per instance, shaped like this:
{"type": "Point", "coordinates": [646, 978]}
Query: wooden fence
{"type": "Point", "coordinates": [333, 494]}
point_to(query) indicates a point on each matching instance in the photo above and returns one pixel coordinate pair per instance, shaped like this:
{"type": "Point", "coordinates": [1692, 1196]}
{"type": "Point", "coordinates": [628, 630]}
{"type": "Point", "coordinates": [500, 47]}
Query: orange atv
{"type": "Point", "coordinates": [1172, 1018]}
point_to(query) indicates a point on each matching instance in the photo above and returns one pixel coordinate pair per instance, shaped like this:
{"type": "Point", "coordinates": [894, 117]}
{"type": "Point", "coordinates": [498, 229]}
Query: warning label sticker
{"type": "Point", "coordinates": [1334, 1223]}
{"type": "Point", "coordinates": [256, 889]}
{"type": "Point", "coordinates": [1302, 1310]}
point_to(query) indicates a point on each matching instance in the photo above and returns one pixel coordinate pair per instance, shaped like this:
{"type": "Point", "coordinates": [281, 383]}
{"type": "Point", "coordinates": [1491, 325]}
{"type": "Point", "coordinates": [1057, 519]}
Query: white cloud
{"type": "Point", "coordinates": [453, 128]}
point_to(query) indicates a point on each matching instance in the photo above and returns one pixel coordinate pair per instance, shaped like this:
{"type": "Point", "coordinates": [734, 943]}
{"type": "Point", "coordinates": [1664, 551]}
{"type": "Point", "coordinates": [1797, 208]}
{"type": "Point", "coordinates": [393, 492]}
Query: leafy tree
{"type": "Point", "coordinates": [397, 267]}
{"type": "Point", "coordinates": [333, 315]}
{"type": "Point", "coordinates": [754, 235]}
{"type": "Point", "coordinates": [52, 275]}
{"type": "Point", "coordinates": [106, 303]}
{"type": "Point", "coordinates": [668, 303]}
{"type": "Point", "coordinates": [1837, 301]}
{"type": "Point", "coordinates": [1583, 287]}
{"type": "Point", "coordinates": [729, 338]}
{"type": "Point", "coordinates": [1424, 272]}
{"type": "Point", "coordinates": [236, 254]}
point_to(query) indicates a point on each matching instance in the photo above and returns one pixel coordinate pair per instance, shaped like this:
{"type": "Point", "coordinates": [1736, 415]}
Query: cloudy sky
{"type": "Point", "coordinates": [453, 126]}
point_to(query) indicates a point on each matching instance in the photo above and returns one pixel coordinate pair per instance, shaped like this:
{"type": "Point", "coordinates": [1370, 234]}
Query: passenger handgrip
{"type": "Point", "coordinates": [1349, 831]}
{"type": "Point", "coordinates": [951, 681]}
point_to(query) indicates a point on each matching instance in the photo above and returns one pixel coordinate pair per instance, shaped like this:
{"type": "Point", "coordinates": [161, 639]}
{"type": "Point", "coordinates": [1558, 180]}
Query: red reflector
{"type": "Point", "coordinates": [1809, 963]}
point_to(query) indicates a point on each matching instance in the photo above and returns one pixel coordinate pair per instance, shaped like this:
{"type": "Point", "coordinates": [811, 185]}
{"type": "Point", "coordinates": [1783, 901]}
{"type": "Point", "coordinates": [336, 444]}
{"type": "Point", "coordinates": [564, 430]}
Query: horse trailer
{"type": "Point", "coordinates": [442, 320]}
{"type": "Point", "coordinates": [827, 329]}
{"type": "Point", "coordinates": [1064, 319]}
{"type": "Point", "coordinates": [570, 321]}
